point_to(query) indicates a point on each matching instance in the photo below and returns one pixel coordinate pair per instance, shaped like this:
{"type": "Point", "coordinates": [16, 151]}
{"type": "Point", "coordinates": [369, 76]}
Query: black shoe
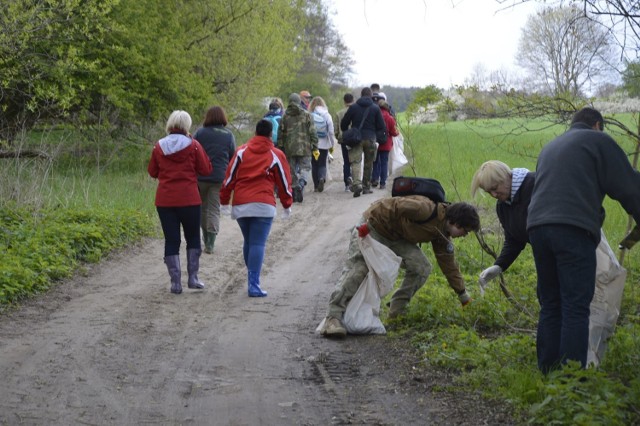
{"type": "Point", "coordinates": [321, 185]}
{"type": "Point", "coordinates": [297, 194]}
{"type": "Point", "coordinates": [357, 191]}
{"type": "Point", "coordinates": [374, 184]}
{"type": "Point", "coordinates": [367, 191]}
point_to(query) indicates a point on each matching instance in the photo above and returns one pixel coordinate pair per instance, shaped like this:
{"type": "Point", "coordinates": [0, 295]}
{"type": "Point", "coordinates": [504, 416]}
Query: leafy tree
{"type": "Point", "coordinates": [423, 98]}
{"type": "Point", "coordinates": [117, 63]}
{"type": "Point", "coordinates": [326, 61]}
{"type": "Point", "coordinates": [46, 60]}
{"type": "Point", "coordinates": [631, 79]}
{"type": "Point", "coordinates": [226, 52]}
{"type": "Point", "coordinates": [564, 52]}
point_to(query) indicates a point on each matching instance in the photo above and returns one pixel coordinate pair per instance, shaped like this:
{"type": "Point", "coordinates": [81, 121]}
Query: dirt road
{"type": "Point", "coordinates": [113, 346]}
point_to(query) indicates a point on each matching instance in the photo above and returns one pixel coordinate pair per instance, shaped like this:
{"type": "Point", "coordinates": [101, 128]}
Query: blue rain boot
{"type": "Point", "coordinates": [173, 266]}
{"type": "Point", "coordinates": [254, 285]}
{"type": "Point", "coordinates": [193, 265]}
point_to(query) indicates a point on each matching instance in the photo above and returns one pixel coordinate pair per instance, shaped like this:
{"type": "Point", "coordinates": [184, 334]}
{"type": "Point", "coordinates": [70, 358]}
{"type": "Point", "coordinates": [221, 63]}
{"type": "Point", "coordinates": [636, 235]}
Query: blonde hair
{"type": "Point", "coordinates": [317, 101]}
{"type": "Point", "coordinates": [180, 120]}
{"type": "Point", "coordinates": [490, 174]}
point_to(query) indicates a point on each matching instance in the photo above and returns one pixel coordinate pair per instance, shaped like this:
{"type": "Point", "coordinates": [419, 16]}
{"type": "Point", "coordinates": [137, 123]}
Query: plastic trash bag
{"type": "Point", "coordinates": [605, 306]}
{"type": "Point", "coordinates": [397, 159]}
{"type": "Point", "coordinates": [362, 315]}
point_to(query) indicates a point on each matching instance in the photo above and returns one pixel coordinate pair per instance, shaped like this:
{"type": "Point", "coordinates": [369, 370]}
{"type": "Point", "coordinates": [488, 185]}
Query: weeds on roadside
{"type": "Point", "coordinates": [39, 247]}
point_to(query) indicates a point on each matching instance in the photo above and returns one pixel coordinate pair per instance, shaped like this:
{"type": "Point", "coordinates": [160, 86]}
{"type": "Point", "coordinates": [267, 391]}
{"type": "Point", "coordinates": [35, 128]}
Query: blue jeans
{"type": "Point", "coordinates": [565, 258]}
{"type": "Point", "coordinates": [381, 168]}
{"type": "Point", "coordinates": [171, 218]}
{"type": "Point", "coordinates": [255, 231]}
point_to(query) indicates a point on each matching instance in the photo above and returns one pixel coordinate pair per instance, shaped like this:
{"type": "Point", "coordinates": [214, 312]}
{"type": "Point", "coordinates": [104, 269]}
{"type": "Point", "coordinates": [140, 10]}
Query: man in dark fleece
{"type": "Point", "coordinates": [373, 128]}
{"type": "Point", "coordinates": [574, 173]}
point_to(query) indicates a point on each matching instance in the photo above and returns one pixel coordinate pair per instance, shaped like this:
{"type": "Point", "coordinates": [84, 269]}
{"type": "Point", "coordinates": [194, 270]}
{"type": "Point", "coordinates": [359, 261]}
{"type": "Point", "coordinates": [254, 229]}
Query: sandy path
{"type": "Point", "coordinates": [113, 346]}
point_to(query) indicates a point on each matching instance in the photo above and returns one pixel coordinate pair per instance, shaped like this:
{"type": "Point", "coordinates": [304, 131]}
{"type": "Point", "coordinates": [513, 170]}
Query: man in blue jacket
{"type": "Point", "coordinates": [574, 173]}
{"type": "Point", "coordinates": [373, 128]}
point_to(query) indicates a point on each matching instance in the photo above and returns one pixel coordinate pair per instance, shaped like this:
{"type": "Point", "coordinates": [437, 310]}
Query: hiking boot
{"type": "Point", "coordinates": [333, 328]}
{"type": "Point", "coordinates": [297, 194]}
{"type": "Point", "coordinates": [347, 188]}
{"type": "Point", "coordinates": [321, 185]}
{"type": "Point", "coordinates": [374, 184]}
{"type": "Point", "coordinates": [397, 308]}
{"type": "Point", "coordinates": [357, 191]}
{"type": "Point", "coordinates": [367, 191]}
{"type": "Point", "coordinates": [383, 186]}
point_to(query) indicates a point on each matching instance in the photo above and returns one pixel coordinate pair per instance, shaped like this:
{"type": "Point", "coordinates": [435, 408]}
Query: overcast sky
{"type": "Point", "coordinates": [421, 42]}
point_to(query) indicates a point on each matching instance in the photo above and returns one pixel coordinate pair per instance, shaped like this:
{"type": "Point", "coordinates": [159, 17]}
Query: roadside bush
{"type": "Point", "coordinates": [39, 247]}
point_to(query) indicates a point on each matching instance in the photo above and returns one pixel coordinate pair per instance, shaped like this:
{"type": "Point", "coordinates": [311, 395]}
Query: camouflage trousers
{"type": "Point", "coordinates": [414, 262]}
{"type": "Point", "coordinates": [361, 173]}
{"type": "Point", "coordinates": [300, 170]}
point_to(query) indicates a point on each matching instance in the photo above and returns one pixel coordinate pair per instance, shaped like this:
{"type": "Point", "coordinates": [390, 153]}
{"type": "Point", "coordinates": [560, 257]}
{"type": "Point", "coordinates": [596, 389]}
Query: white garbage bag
{"type": "Point", "coordinates": [362, 315]}
{"type": "Point", "coordinates": [605, 306]}
{"type": "Point", "coordinates": [397, 159]}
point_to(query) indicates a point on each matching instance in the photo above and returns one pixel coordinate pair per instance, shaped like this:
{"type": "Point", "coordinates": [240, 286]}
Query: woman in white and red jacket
{"type": "Point", "coordinates": [176, 161]}
{"type": "Point", "coordinates": [254, 170]}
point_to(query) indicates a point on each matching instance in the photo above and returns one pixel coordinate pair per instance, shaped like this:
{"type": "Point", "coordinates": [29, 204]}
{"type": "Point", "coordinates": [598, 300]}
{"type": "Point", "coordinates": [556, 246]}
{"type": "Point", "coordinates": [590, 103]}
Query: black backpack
{"type": "Point", "coordinates": [426, 187]}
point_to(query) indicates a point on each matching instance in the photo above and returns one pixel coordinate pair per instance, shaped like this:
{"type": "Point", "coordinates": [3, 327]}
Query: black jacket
{"type": "Point", "coordinates": [373, 127]}
{"type": "Point", "coordinates": [513, 218]}
{"type": "Point", "coordinates": [220, 145]}
{"type": "Point", "coordinates": [574, 173]}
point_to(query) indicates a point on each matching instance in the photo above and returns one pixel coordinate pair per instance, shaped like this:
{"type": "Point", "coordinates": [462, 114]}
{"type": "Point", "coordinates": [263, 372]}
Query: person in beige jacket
{"type": "Point", "coordinates": [401, 223]}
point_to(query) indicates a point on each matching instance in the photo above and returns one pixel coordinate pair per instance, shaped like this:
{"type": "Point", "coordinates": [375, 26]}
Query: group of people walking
{"type": "Point", "coordinates": [197, 176]}
{"type": "Point", "coordinates": [557, 209]}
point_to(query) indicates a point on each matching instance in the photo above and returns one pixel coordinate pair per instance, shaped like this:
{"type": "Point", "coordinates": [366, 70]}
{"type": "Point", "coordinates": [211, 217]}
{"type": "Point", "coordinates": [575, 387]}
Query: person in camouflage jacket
{"type": "Point", "coordinates": [298, 139]}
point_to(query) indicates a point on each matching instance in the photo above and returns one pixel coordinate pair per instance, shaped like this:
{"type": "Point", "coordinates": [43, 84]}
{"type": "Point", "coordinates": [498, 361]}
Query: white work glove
{"type": "Point", "coordinates": [464, 298]}
{"type": "Point", "coordinates": [225, 210]}
{"type": "Point", "coordinates": [487, 275]}
{"type": "Point", "coordinates": [286, 213]}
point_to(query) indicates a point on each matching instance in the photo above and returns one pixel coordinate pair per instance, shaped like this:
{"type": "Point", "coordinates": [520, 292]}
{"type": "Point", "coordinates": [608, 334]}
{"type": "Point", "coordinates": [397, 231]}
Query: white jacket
{"type": "Point", "coordinates": [330, 140]}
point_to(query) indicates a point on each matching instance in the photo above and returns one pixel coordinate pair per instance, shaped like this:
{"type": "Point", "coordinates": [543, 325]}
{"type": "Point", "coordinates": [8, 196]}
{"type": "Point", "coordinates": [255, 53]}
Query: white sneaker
{"type": "Point", "coordinates": [333, 328]}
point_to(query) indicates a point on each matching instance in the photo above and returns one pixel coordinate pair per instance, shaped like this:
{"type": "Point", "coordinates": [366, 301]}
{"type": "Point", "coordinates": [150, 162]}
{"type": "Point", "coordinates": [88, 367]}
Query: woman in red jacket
{"type": "Point", "coordinates": [381, 164]}
{"type": "Point", "coordinates": [176, 161]}
{"type": "Point", "coordinates": [254, 170]}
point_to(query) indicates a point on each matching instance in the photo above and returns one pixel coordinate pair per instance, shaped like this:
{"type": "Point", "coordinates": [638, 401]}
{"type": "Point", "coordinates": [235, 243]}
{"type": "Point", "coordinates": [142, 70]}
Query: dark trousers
{"type": "Point", "coordinates": [346, 167]}
{"type": "Point", "coordinates": [319, 167]}
{"type": "Point", "coordinates": [171, 218]}
{"type": "Point", "coordinates": [380, 168]}
{"type": "Point", "coordinates": [565, 258]}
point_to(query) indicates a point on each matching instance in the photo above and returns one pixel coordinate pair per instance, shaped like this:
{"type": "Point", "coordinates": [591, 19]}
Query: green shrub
{"type": "Point", "coordinates": [40, 247]}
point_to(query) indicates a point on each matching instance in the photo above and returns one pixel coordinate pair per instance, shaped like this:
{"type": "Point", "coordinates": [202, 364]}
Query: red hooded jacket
{"type": "Point", "coordinates": [252, 173]}
{"type": "Point", "coordinates": [176, 161]}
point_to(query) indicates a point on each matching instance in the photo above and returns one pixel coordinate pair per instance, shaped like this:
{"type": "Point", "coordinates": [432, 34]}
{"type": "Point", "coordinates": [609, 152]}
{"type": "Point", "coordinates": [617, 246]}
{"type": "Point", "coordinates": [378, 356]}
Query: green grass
{"type": "Point", "coordinates": [491, 343]}
{"type": "Point", "coordinates": [74, 206]}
